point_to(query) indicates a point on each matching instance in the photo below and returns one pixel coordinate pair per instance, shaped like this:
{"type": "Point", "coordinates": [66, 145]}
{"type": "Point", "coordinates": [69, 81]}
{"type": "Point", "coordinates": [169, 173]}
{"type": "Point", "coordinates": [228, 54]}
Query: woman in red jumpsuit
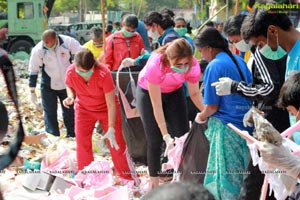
{"type": "Point", "coordinates": [91, 88]}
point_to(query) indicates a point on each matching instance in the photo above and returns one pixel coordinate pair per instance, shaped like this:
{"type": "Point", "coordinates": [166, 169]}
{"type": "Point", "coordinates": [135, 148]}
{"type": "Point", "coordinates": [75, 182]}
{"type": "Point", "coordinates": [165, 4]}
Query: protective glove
{"type": "Point", "coordinates": [110, 135]}
{"type": "Point", "coordinates": [127, 62]}
{"type": "Point", "coordinates": [169, 143]}
{"type": "Point", "coordinates": [144, 51]}
{"type": "Point", "coordinates": [34, 100]}
{"type": "Point", "coordinates": [223, 86]}
{"type": "Point", "coordinates": [44, 140]}
{"type": "Point", "coordinates": [68, 101]}
{"type": "Point", "coordinates": [198, 119]}
{"type": "Point", "coordinates": [280, 157]}
{"type": "Point", "coordinates": [247, 119]}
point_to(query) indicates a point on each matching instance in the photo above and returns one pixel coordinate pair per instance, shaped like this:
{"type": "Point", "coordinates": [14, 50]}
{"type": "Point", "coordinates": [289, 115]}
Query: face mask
{"type": "Point", "coordinates": [127, 33]}
{"type": "Point", "coordinates": [181, 31]}
{"type": "Point", "coordinates": [298, 115]}
{"type": "Point", "coordinates": [178, 70]}
{"type": "Point", "coordinates": [153, 34]}
{"type": "Point", "coordinates": [296, 134]}
{"type": "Point", "coordinates": [243, 46]}
{"type": "Point", "coordinates": [267, 52]}
{"type": "Point", "coordinates": [51, 48]}
{"type": "Point", "coordinates": [85, 74]}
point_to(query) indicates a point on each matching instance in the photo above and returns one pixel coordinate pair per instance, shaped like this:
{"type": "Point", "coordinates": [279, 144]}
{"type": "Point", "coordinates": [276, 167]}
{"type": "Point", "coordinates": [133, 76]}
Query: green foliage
{"type": "Point", "coordinates": [3, 5]}
{"type": "Point", "coordinates": [93, 5]}
{"type": "Point", "coordinates": [186, 3]}
{"type": "Point", "coordinates": [160, 4]}
{"type": "Point", "coordinates": [61, 6]}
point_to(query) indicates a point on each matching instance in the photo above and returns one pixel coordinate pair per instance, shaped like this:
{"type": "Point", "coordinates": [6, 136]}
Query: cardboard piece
{"type": "Point", "coordinates": [31, 181]}
{"type": "Point", "coordinates": [38, 180]}
{"type": "Point", "coordinates": [59, 185]}
{"type": "Point", "coordinates": [46, 180]}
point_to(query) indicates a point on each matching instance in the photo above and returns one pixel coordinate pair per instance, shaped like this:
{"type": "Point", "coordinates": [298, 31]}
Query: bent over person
{"type": "Point", "coordinates": [90, 87]}
{"type": "Point", "coordinates": [161, 99]}
{"type": "Point", "coordinates": [53, 56]}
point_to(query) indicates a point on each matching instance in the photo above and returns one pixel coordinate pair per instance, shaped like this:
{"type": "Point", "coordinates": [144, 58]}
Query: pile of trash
{"type": "Point", "coordinates": [49, 170]}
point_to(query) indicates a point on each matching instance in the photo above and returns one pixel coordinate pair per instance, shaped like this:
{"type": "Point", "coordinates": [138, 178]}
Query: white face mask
{"type": "Point", "coordinates": [243, 46]}
{"type": "Point", "coordinates": [153, 34]}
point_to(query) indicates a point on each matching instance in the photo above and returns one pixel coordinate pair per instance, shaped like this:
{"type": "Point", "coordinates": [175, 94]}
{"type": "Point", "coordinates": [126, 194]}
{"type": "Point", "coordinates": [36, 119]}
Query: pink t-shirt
{"type": "Point", "coordinates": [157, 73]}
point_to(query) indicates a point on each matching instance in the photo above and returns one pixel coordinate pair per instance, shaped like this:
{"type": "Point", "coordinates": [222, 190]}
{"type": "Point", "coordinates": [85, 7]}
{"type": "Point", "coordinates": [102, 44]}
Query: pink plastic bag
{"type": "Point", "coordinates": [129, 111]}
{"type": "Point", "coordinates": [63, 162]}
{"type": "Point", "coordinates": [120, 193]}
{"type": "Point", "coordinates": [97, 174]}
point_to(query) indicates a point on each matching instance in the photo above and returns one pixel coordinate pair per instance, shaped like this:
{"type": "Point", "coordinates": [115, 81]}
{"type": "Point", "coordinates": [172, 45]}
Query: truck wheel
{"type": "Point", "coordinates": [20, 45]}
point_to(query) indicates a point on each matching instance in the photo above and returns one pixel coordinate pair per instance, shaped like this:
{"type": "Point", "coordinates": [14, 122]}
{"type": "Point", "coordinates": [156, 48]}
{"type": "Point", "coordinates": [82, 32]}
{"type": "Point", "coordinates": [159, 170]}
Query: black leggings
{"type": "Point", "coordinates": [175, 112]}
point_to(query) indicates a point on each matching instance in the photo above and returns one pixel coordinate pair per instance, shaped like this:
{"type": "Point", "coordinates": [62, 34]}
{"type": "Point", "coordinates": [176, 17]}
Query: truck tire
{"type": "Point", "coordinates": [20, 45]}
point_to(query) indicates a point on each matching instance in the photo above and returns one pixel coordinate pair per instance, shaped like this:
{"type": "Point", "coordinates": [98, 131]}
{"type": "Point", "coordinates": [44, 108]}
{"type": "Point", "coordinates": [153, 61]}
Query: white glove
{"type": "Point", "coordinates": [110, 135]}
{"type": "Point", "coordinates": [247, 119]}
{"type": "Point", "coordinates": [169, 143]}
{"type": "Point", "coordinates": [223, 86]}
{"type": "Point", "coordinates": [68, 101]}
{"type": "Point", "coordinates": [34, 100]}
{"type": "Point", "coordinates": [144, 51]}
{"type": "Point", "coordinates": [280, 157]}
{"type": "Point", "coordinates": [127, 62]}
{"type": "Point", "coordinates": [44, 139]}
{"type": "Point", "coordinates": [198, 119]}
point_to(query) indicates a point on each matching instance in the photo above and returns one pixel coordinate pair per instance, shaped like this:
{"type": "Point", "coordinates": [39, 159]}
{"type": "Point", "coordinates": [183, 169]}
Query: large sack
{"type": "Point", "coordinates": [133, 129]}
{"type": "Point", "coordinates": [195, 154]}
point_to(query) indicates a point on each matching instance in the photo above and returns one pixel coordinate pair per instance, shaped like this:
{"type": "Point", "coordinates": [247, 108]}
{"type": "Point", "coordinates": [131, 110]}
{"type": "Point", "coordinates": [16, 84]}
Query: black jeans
{"type": "Point", "coordinates": [175, 112]}
{"type": "Point", "coordinates": [49, 101]}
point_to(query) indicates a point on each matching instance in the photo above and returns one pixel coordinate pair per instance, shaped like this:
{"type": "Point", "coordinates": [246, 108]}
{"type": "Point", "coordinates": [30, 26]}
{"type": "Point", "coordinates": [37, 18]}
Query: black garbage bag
{"type": "Point", "coordinates": [194, 155]}
{"type": "Point", "coordinates": [133, 129]}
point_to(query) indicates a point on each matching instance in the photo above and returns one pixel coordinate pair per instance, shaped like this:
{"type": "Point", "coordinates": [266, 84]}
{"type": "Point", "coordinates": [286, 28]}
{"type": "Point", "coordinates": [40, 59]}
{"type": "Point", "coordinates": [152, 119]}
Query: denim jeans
{"type": "Point", "coordinates": [49, 101]}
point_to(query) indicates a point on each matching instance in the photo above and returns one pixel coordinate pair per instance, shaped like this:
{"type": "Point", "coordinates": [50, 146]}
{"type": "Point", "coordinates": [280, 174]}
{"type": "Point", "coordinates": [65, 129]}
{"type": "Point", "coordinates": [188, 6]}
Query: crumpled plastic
{"type": "Point", "coordinates": [282, 184]}
{"type": "Point", "coordinates": [108, 193]}
{"type": "Point", "coordinates": [174, 157]}
{"type": "Point", "coordinates": [99, 146]}
{"type": "Point", "coordinates": [97, 174]}
{"type": "Point", "coordinates": [53, 162]}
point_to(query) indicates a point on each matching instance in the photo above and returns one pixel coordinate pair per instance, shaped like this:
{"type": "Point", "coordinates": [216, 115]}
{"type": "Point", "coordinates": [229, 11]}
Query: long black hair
{"type": "Point", "coordinates": [211, 37]}
{"type": "Point", "coordinates": [164, 20]}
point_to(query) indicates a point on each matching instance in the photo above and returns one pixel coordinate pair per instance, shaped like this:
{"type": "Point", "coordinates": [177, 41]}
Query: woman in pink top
{"type": "Point", "coordinates": [161, 99]}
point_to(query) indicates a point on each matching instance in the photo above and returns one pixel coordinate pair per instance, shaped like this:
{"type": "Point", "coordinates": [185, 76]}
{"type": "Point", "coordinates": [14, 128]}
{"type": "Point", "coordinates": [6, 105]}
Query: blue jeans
{"type": "Point", "coordinates": [49, 101]}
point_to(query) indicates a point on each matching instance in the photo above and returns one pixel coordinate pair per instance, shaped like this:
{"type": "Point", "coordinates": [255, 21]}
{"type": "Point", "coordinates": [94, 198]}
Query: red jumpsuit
{"type": "Point", "coordinates": [90, 106]}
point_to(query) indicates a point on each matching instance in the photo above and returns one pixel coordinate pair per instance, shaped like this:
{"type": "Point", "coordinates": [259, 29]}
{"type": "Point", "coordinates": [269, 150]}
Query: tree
{"type": "Point", "coordinates": [3, 5]}
{"type": "Point", "coordinates": [187, 3]}
{"type": "Point", "coordinates": [61, 6]}
{"type": "Point", "coordinates": [157, 5]}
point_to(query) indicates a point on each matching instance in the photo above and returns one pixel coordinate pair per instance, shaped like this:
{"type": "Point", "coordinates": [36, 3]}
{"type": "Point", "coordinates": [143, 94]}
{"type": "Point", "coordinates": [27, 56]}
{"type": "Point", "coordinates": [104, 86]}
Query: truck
{"type": "Point", "coordinates": [25, 20]}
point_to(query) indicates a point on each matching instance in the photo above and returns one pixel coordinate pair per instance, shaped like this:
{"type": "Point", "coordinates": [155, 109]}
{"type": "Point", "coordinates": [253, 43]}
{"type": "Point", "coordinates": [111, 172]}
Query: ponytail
{"type": "Point", "coordinates": [229, 53]}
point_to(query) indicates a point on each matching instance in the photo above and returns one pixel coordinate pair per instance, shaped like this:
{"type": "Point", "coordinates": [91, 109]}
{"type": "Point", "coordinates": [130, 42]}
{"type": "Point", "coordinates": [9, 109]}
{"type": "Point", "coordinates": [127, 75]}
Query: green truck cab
{"type": "Point", "coordinates": [26, 21]}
